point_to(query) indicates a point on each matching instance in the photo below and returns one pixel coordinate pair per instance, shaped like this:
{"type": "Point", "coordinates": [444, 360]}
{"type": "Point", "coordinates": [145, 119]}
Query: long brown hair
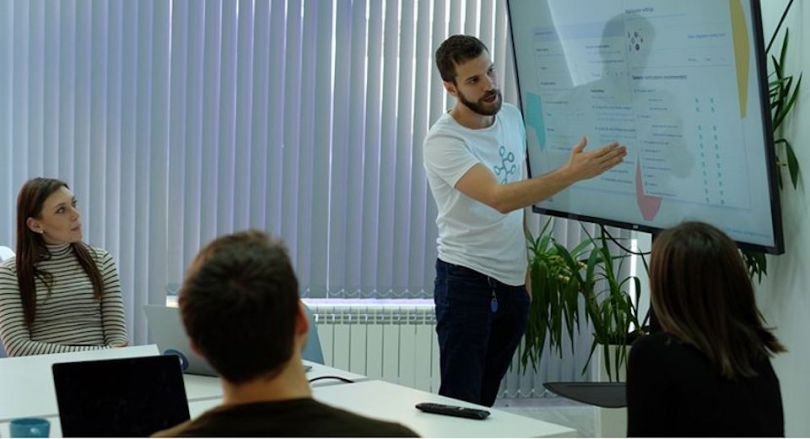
{"type": "Point", "coordinates": [701, 294]}
{"type": "Point", "coordinates": [31, 247]}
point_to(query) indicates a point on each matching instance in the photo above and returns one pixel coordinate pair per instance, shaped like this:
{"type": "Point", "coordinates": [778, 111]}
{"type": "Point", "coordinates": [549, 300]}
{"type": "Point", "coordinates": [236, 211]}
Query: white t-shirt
{"type": "Point", "coordinates": [471, 233]}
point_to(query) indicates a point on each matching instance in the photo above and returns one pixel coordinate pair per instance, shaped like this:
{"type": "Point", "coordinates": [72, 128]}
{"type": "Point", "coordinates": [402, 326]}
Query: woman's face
{"type": "Point", "coordinates": [59, 222]}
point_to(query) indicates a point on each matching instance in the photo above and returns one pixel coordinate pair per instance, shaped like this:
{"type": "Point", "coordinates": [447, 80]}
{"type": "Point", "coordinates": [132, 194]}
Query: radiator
{"type": "Point", "coordinates": [395, 342]}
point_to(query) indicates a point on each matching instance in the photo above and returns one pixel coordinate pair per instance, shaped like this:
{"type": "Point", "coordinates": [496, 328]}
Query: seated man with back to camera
{"type": "Point", "coordinates": [240, 307]}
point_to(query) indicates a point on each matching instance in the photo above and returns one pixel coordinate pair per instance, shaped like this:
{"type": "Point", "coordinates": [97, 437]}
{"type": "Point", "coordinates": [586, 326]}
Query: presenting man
{"type": "Point", "coordinates": [474, 158]}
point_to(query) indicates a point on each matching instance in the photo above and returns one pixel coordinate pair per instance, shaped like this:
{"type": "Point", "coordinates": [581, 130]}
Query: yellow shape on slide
{"type": "Point", "coordinates": [742, 52]}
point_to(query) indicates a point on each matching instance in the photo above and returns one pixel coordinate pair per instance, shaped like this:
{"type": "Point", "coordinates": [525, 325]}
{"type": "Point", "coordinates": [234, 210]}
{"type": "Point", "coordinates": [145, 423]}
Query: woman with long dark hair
{"type": "Point", "coordinates": [57, 294]}
{"type": "Point", "coordinates": [708, 372]}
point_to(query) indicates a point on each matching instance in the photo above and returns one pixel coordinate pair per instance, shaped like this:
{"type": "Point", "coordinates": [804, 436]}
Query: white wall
{"type": "Point", "coordinates": [784, 297]}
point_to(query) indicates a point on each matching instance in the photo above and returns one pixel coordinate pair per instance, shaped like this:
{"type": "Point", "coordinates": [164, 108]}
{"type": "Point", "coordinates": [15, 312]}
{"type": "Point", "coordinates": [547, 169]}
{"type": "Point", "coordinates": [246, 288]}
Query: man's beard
{"type": "Point", "coordinates": [481, 107]}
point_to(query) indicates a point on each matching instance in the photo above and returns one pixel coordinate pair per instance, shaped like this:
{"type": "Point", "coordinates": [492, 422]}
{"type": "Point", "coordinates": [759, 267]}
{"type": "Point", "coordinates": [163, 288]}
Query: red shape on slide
{"type": "Point", "coordinates": [648, 205]}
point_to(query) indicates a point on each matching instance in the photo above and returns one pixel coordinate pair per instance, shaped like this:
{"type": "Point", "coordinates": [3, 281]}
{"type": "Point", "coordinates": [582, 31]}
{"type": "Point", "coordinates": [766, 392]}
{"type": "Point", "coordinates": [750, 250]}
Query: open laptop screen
{"type": "Point", "coordinates": [122, 397]}
{"type": "Point", "coordinates": [166, 329]}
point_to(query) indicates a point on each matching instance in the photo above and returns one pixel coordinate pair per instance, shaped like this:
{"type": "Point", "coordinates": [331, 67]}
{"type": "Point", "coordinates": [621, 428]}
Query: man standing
{"type": "Point", "coordinates": [474, 158]}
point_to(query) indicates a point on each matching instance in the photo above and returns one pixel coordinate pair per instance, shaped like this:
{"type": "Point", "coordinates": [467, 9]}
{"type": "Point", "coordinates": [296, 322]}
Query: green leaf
{"type": "Point", "coordinates": [793, 95]}
{"type": "Point", "coordinates": [783, 53]}
{"type": "Point", "coordinates": [777, 69]}
{"type": "Point", "coordinates": [782, 106]}
{"type": "Point", "coordinates": [793, 164]}
{"type": "Point", "coordinates": [756, 263]}
{"type": "Point", "coordinates": [783, 95]}
{"type": "Point", "coordinates": [593, 261]}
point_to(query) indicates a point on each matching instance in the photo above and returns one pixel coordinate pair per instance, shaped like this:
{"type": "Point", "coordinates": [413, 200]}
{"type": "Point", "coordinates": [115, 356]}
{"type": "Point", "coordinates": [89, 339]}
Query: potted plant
{"type": "Point", "coordinates": [613, 314]}
{"type": "Point", "coordinates": [561, 279]}
{"type": "Point", "coordinates": [554, 310]}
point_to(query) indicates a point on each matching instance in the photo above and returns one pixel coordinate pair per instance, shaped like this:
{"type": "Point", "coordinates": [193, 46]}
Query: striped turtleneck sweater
{"type": "Point", "coordinates": [68, 318]}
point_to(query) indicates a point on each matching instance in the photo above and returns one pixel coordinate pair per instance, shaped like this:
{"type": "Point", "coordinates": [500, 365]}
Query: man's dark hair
{"type": "Point", "coordinates": [457, 49]}
{"type": "Point", "coordinates": [239, 303]}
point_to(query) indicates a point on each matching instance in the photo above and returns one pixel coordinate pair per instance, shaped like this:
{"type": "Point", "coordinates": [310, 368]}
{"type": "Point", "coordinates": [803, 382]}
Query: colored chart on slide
{"type": "Point", "coordinates": [533, 114]}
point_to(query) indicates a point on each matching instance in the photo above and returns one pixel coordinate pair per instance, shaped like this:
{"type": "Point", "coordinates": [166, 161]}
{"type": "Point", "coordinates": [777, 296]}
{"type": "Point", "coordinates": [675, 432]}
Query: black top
{"type": "Point", "coordinates": [290, 418]}
{"type": "Point", "coordinates": [673, 390]}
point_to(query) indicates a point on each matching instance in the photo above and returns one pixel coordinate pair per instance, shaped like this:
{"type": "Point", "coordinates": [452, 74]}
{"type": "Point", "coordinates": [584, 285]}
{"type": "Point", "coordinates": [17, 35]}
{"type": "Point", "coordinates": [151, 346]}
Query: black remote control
{"type": "Point", "coordinates": [452, 410]}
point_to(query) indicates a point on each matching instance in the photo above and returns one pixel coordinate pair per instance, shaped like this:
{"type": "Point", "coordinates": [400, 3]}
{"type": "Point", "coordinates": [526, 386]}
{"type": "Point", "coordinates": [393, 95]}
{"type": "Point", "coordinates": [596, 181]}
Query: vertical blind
{"type": "Point", "coordinates": [178, 121]}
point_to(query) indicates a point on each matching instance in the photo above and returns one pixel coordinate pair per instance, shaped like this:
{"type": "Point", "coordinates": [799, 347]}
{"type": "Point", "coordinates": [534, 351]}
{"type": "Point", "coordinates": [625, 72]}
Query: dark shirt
{"type": "Point", "coordinates": [289, 418]}
{"type": "Point", "coordinates": [673, 390]}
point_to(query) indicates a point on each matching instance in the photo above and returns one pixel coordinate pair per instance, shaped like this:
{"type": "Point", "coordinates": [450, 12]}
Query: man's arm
{"type": "Point", "coordinates": [479, 183]}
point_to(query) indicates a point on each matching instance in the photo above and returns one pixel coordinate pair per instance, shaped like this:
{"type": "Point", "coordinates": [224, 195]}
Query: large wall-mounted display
{"type": "Point", "coordinates": [681, 83]}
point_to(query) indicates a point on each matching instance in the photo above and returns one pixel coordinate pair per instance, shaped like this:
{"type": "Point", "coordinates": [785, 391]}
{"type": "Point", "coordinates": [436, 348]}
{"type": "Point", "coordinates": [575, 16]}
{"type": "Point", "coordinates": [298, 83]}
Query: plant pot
{"type": "Point", "coordinates": [600, 373]}
{"type": "Point", "coordinates": [610, 422]}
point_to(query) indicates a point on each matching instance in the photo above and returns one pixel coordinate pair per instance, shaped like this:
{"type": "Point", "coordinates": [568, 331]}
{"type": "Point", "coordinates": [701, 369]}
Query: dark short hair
{"type": "Point", "coordinates": [457, 49]}
{"type": "Point", "coordinates": [701, 294]}
{"type": "Point", "coordinates": [239, 302]}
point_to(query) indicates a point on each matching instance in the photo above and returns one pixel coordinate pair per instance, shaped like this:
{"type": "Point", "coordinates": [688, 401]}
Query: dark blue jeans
{"type": "Point", "coordinates": [476, 345]}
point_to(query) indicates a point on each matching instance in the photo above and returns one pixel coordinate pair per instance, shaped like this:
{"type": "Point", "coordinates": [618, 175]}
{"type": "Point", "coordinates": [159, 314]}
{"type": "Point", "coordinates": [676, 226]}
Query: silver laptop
{"type": "Point", "coordinates": [166, 330]}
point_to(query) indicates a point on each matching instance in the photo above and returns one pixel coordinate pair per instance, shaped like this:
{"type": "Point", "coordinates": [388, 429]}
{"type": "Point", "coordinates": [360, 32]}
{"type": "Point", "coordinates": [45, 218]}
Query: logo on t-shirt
{"type": "Point", "coordinates": [507, 166]}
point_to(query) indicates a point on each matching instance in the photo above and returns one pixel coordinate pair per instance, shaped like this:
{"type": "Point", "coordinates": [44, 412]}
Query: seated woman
{"type": "Point", "coordinates": [57, 294]}
{"type": "Point", "coordinates": [708, 372]}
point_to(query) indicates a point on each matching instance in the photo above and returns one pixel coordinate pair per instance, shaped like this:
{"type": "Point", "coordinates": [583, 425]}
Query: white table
{"type": "Point", "coordinates": [26, 383]}
{"type": "Point", "coordinates": [27, 388]}
{"type": "Point", "coordinates": [393, 402]}
{"type": "Point", "coordinates": [33, 395]}
{"type": "Point", "coordinates": [200, 387]}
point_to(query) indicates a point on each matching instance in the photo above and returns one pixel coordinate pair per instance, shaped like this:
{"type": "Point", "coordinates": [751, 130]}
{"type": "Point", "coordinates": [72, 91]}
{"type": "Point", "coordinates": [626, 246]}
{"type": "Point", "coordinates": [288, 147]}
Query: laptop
{"type": "Point", "coordinates": [167, 331]}
{"type": "Point", "coordinates": [132, 397]}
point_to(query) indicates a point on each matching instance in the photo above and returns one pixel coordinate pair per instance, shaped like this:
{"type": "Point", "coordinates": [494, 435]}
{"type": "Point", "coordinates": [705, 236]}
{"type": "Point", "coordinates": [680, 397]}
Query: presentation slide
{"type": "Point", "coordinates": [679, 82]}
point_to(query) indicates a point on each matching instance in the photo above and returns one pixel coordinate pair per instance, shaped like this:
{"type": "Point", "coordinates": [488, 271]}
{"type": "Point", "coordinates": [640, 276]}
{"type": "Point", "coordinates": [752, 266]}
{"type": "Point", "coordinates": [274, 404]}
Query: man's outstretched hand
{"type": "Point", "coordinates": [587, 164]}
